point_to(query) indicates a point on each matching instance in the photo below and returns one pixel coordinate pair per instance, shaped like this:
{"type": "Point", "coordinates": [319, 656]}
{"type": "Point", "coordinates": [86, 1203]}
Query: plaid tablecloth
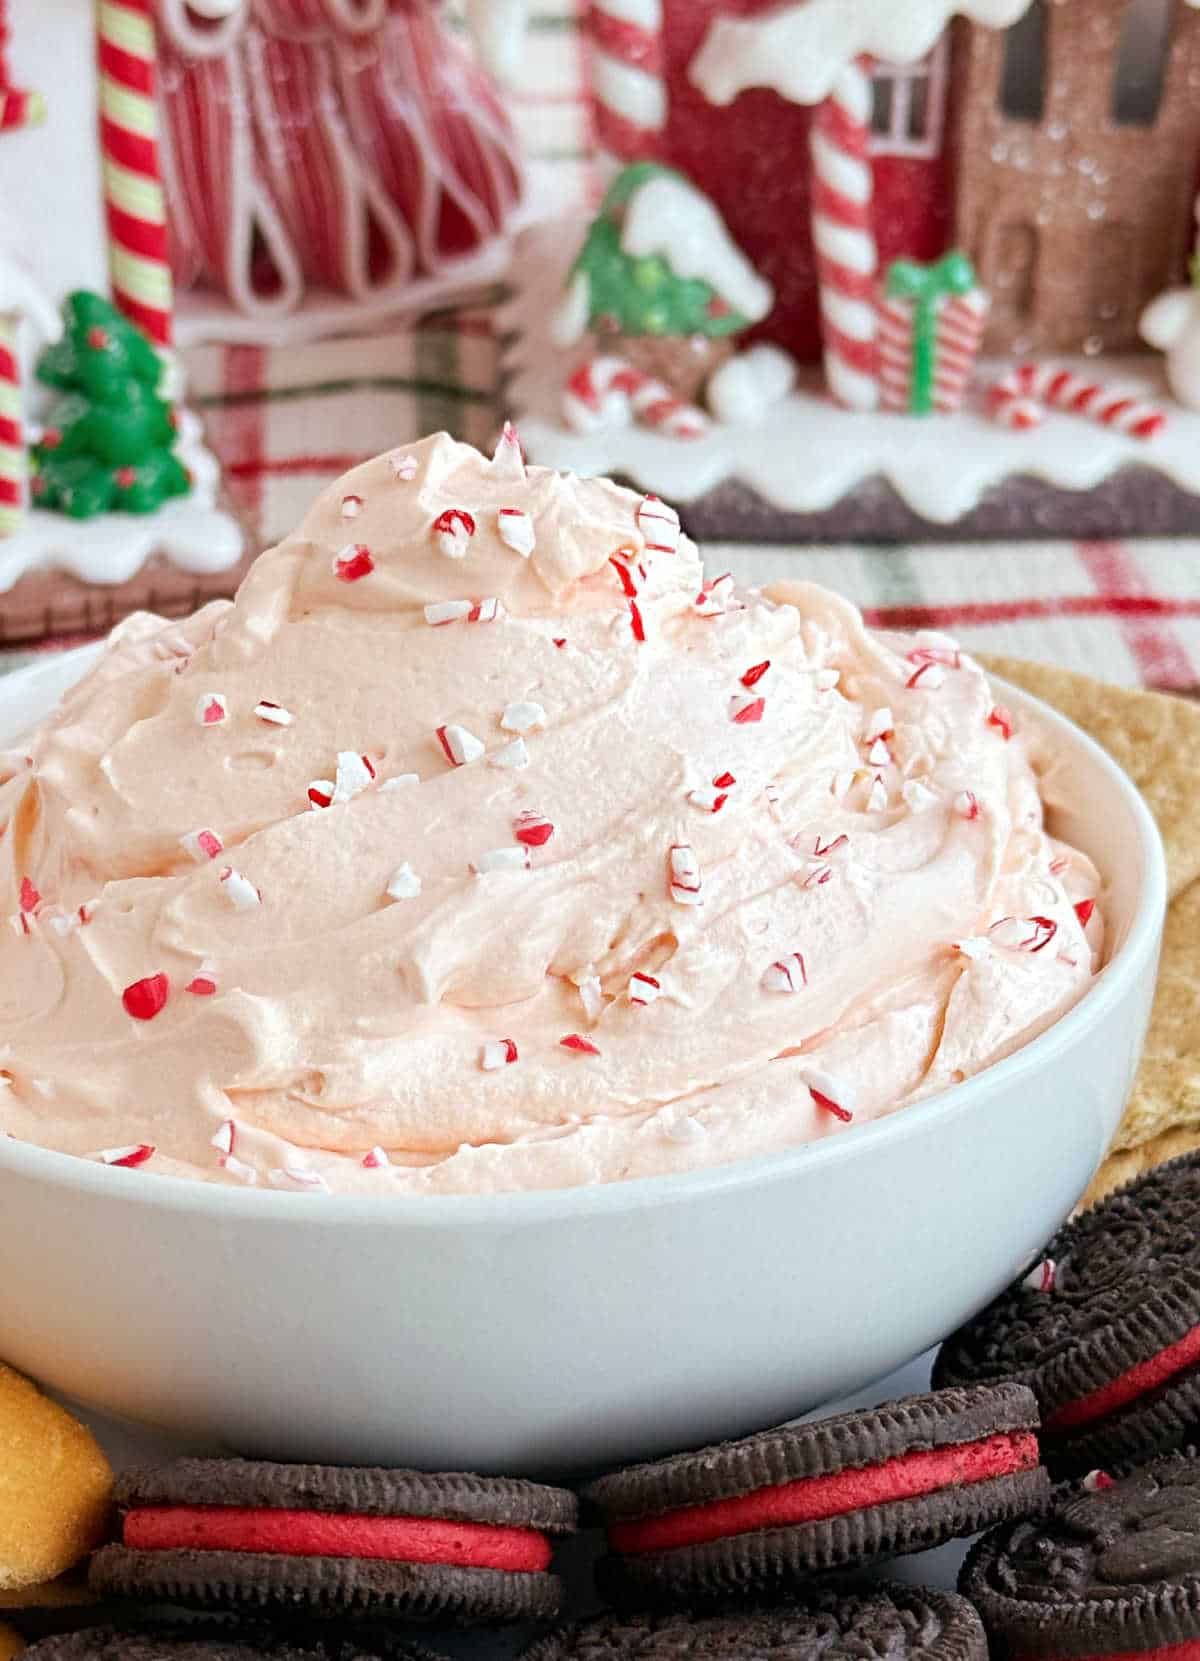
{"type": "Point", "coordinates": [285, 422]}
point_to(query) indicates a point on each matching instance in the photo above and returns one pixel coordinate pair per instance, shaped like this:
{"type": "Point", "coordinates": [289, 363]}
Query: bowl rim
{"type": "Point", "coordinates": [219, 1201]}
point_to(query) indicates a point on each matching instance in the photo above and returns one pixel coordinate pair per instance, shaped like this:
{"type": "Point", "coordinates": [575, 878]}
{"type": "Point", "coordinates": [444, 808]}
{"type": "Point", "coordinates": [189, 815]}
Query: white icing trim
{"type": "Point", "coordinates": [810, 453]}
{"type": "Point", "coordinates": [630, 92]}
{"type": "Point", "coordinates": [191, 531]}
{"type": "Point", "coordinates": [670, 218]}
{"type": "Point", "coordinates": [800, 50]}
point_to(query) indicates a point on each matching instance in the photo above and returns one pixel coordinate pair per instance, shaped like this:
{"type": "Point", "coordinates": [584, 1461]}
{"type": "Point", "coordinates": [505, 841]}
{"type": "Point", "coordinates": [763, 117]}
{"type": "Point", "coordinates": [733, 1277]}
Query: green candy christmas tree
{"type": "Point", "coordinates": [108, 443]}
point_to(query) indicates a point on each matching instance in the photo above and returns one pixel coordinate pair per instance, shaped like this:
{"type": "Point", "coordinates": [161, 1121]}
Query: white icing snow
{"type": "Point", "coordinates": [23, 297]}
{"type": "Point", "coordinates": [668, 217]}
{"type": "Point", "coordinates": [191, 531]}
{"type": "Point", "coordinates": [810, 453]}
{"type": "Point", "coordinates": [800, 50]}
{"type": "Point", "coordinates": [1172, 324]}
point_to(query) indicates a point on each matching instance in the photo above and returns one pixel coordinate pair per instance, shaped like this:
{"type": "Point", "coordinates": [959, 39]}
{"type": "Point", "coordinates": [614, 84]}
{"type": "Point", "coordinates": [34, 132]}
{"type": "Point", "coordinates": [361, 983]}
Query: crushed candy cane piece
{"type": "Point", "coordinates": [789, 974]}
{"type": "Point", "coordinates": [351, 507]}
{"type": "Point", "coordinates": [510, 756]}
{"type": "Point", "coordinates": [816, 874]}
{"type": "Point", "coordinates": [659, 525]}
{"type": "Point", "coordinates": [485, 611]}
{"type": "Point", "coordinates": [1084, 910]}
{"type": "Point", "coordinates": [643, 989]}
{"type": "Point", "coordinates": [453, 531]}
{"type": "Point", "coordinates": [201, 986]}
{"type": "Point", "coordinates": [931, 647]}
{"type": "Point", "coordinates": [880, 724]}
{"type": "Point", "coordinates": [144, 999]}
{"type": "Point", "coordinates": [353, 562]}
{"type": "Point", "coordinates": [517, 531]}
{"type": "Point", "coordinates": [577, 1042]}
{"type": "Point", "coordinates": [533, 829]}
{"type": "Point", "coordinates": [710, 798]}
{"type": "Point", "coordinates": [239, 890]}
{"type": "Point", "coordinates": [202, 845]}
{"type": "Point", "coordinates": [376, 1159]}
{"type": "Point", "coordinates": [1095, 1482]}
{"type": "Point", "coordinates": [685, 875]}
{"type": "Point", "coordinates": [1023, 934]}
{"type": "Point", "coordinates": [1001, 718]}
{"type": "Point", "coordinates": [879, 755]}
{"type": "Point", "coordinates": [522, 717]}
{"type": "Point", "coordinates": [404, 883]}
{"type": "Point", "coordinates": [966, 805]}
{"type": "Point", "coordinates": [224, 1137]}
{"type": "Point", "coordinates": [746, 710]}
{"type": "Point", "coordinates": [625, 577]}
{"type": "Point", "coordinates": [274, 714]}
{"type": "Point", "coordinates": [320, 793]}
{"type": "Point", "coordinates": [460, 746]}
{"type": "Point", "coordinates": [497, 1053]}
{"type": "Point", "coordinates": [508, 458]}
{"type": "Point", "coordinates": [834, 1095]}
{"type": "Point", "coordinates": [129, 1157]}
{"type": "Point", "coordinates": [590, 995]}
{"type": "Point", "coordinates": [1042, 1276]}
{"type": "Point", "coordinates": [839, 842]}
{"type": "Point", "coordinates": [501, 859]}
{"type": "Point", "coordinates": [29, 898]}
{"type": "Point", "coordinates": [211, 709]}
{"type": "Point", "coordinates": [355, 773]}
{"type": "Point", "coordinates": [403, 465]}
{"type": "Point", "coordinates": [754, 674]}
{"type": "Point", "coordinates": [928, 676]}
{"type": "Point", "coordinates": [636, 623]}
{"type": "Point", "coordinates": [447, 611]}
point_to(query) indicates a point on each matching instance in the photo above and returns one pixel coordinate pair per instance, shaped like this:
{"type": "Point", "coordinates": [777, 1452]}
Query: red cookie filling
{"type": "Point", "coordinates": [335, 1534]}
{"type": "Point", "coordinates": [811, 1499]}
{"type": "Point", "coordinates": [1188, 1651]}
{"type": "Point", "coordinates": [1127, 1387]}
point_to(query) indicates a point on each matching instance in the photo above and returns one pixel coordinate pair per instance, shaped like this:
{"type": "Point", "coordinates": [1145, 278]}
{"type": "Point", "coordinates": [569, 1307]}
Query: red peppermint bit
{"type": "Point", "coordinates": [1058, 866]}
{"type": "Point", "coordinates": [950, 657]}
{"type": "Point", "coordinates": [318, 795]}
{"type": "Point", "coordinates": [820, 850]}
{"type": "Point", "coordinates": [643, 989]}
{"type": "Point", "coordinates": [30, 898]}
{"type": "Point", "coordinates": [353, 563]}
{"type": "Point", "coordinates": [1084, 910]}
{"type": "Point", "coordinates": [829, 1105]}
{"type": "Point", "coordinates": [375, 1160]}
{"type": "Point", "coordinates": [1001, 718]}
{"type": "Point", "coordinates": [203, 986]}
{"type": "Point", "coordinates": [560, 643]}
{"type": "Point", "coordinates": [533, 829]}
{"type": "Point", "coordinates": [635, 621]}
{"type": "Point", "coordinates": [454, 529]}
{"type": "Point", "coordinates": [84, 914]}
{"type": "Point", "coordinates": [625, 577]}
{"type": "Point", "coordinates": [1095, 1482]}
{"type": "Point", "coordinates": [930, 676]}
{"type": "Point", "coordinates": [1042, 1276]}
{"type": "Point", "coordinates": [724, 781]}
{"type": "Point", "coordinates": [129, 1157]}
{"type": "Point", "coordinates": [966, 805]}
{"type": "Point", "coordinates": [1024, 934]}
{"type": "Point", "coordinates": [145, 998]}
{"type": "Point", "coordinates": [577, 1042]}
{"type": "Point", "coordinates": [352, 506]}
{"type": "Point", "coordinates": [750, 713]}
{"type": "Point", "coordinates": [224, 1138]}
{"type": "Point", "coordinates": [756, 673]}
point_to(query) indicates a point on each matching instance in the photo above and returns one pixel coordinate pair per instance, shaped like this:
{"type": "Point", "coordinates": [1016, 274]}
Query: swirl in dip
{"type": "Point", "coordinates": [481, 844]}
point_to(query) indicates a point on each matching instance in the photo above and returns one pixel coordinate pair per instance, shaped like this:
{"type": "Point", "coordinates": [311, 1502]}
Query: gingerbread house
{"type": "Point", "coordinates": [860, 153]}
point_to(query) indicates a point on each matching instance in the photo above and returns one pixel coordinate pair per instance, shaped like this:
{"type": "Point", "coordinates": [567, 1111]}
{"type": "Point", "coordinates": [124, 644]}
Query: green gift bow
{"type": "Point", "coordinates": [925, 285]}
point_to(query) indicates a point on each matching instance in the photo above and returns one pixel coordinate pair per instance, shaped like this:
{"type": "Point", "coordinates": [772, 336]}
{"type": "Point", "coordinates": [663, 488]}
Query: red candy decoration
{"type": "Point", "coordinates": [1001, 717]}
{"type": "Point", "coordinates": [755, 674]}
{"type": "Point", "coordinates": [353, 563]}
{"type": "Point", "coordinates": [144, 999]}
{"type": "Point", "coordinates": [577, 1042]}
{"type": "Point", "coordinates": [30, 898]}
{"type": "Point", "coordinates": [1084, 910]}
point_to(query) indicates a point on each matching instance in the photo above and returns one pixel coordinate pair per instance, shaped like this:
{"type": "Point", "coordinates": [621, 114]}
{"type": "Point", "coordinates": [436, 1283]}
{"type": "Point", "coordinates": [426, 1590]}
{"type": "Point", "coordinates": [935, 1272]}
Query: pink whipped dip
{"type": "Point", "coordinates": [622, 872]}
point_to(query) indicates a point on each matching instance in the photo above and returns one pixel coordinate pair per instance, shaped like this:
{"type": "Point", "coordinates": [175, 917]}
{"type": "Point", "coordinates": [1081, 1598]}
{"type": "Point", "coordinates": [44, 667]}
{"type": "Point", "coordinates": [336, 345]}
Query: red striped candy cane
{"type": "Point", "coordinates": [133, 194]}
{"type": "Point", "coordinates": [12, 435]}
{"type": "Point", "coordinates": [1023, 396]}
{"type": "Point", "coordinates": [961, 321]}
{"type": "Point", "coordinates": [843, 234]}
{"type": "Point", "coordinates": [18, 108]}
{"type": "Point", "coordinates": [606, 391]}
{"type": "Point", "coordinates": [628, 89]}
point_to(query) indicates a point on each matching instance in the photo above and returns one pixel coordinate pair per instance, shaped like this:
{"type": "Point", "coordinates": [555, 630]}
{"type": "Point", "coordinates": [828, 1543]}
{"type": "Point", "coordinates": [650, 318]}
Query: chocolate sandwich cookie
{"type": "Point", "coordinates": [328, 1540]}
{"type": "Point", "coordinates": [889, 1623]}
{"type": "Point", "coordinates": [767, 1513]}
{"type": "Point", "coordinates": [1113, 1569]}
{"type": "Point", "coordinates": [1105, 1330]}
{"type": "Point", "coordinates": [205, 1643]}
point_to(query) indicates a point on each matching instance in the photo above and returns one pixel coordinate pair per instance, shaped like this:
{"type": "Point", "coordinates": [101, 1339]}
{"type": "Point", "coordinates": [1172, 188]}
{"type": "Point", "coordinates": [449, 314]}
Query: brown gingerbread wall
{"type": "Point", "coordinates": [1073, 220]}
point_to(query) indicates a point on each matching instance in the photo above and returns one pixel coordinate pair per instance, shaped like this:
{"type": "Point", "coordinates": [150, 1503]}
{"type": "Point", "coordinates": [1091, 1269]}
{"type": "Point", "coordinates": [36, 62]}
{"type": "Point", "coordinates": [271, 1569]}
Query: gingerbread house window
{"type": "Point", "coordinates": [909, 108]}
{"type": "Point", "coordinates": [1023, 84]}
{"type": "Point", "coordinates": [1141, 65]}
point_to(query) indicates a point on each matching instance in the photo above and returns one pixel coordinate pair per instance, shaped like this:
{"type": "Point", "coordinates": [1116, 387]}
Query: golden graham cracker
{"type": "Point", "coordinates": [1157, 740]}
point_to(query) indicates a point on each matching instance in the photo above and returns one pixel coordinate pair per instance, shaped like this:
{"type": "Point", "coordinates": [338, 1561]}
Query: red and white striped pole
{"type": "Point", "coordinates": [18, 108]}
{"type": "Point", "coordinates": [627, 76]}
{"type": "Point", "coordinates": [129, 140]}
{"type": "Point", "coordinates": [13, 461]}
{"type": "Point", "coordinates": [844, 237]}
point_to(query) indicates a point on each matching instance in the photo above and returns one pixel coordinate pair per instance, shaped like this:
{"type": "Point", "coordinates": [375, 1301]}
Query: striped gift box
{"type": "Point", "coordinates": [960, 323]}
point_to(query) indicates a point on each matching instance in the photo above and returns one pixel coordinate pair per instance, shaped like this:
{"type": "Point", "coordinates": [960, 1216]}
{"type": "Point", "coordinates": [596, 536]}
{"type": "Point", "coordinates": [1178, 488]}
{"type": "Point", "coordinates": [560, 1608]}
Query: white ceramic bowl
{"type": "Point", "coordinates": [553, 1331]}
